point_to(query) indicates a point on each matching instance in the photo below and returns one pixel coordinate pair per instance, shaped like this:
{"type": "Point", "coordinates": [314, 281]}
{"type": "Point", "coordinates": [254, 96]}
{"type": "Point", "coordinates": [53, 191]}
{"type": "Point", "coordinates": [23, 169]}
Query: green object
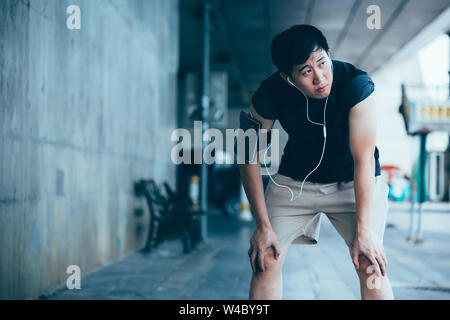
{"type": "Point", "coordinates": [422, 164]}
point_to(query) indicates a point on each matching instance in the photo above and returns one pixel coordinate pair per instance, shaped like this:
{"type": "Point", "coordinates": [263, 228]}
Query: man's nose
{"type": "Point", "coordinates": [319, 77]}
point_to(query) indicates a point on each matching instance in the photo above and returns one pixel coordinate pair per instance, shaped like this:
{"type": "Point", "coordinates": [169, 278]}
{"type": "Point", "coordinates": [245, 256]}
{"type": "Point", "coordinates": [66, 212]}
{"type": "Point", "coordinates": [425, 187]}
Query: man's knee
{"type": "Point", "coordinates": [365, 266]}
{"type": "Point", "coordinates": [270, 263]}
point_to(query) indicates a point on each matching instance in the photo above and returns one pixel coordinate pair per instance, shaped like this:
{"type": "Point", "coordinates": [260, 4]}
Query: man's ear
{"type": "Point", "coordinates": [284, 77]}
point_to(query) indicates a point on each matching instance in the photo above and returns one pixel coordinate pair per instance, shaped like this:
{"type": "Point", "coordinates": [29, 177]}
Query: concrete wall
{"type": "Point", "coordinates": [83, 114]}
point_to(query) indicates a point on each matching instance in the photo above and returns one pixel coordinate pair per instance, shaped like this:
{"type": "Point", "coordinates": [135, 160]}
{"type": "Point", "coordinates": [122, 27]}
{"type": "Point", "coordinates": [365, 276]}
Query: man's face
{"type": "Point", "coordinates": [315, 76]}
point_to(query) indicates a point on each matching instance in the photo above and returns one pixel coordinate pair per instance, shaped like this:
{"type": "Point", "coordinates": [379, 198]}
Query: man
{"type": "Point", "coordinates": [345, 186]}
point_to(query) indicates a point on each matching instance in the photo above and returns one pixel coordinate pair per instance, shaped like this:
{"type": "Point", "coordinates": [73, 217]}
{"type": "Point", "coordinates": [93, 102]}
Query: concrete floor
{"type": "Point", "coordinates": [220, 269]}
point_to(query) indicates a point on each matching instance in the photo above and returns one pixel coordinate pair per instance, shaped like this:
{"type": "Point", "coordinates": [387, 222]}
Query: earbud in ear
{"type": "Point", "coordinates": [289, 80]}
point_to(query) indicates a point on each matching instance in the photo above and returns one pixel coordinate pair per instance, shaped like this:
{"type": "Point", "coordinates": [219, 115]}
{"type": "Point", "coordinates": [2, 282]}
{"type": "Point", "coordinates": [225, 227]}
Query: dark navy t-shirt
{"type": "Point", "coordinates": [276, 100]}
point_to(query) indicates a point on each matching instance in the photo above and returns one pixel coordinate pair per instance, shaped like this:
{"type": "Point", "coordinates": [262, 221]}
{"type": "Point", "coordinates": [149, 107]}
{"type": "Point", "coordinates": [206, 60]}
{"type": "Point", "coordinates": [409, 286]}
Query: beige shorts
{"type": "Point", "coordinates": [298, 222]}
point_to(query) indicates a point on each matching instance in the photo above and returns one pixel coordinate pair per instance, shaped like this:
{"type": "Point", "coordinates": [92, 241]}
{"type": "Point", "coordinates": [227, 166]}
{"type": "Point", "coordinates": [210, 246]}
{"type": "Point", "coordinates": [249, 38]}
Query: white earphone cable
{"type": "Point", "coordinates": [323, 149]}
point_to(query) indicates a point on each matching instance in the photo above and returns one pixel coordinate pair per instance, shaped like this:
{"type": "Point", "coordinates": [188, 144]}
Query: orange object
{"type": "Point", "coordinates": [390, 170]}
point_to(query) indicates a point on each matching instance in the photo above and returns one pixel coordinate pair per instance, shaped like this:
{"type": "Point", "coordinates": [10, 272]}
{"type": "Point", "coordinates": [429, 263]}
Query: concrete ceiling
{"type": "Point", "coordinates": [242, 31]}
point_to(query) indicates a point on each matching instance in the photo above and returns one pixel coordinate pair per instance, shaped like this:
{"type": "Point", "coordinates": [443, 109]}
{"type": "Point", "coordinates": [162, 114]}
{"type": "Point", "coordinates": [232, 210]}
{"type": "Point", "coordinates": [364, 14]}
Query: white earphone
{"type": "Point", "coordinates": [323, 149]}
{"type": "Point", "coordinates": [289, 80]}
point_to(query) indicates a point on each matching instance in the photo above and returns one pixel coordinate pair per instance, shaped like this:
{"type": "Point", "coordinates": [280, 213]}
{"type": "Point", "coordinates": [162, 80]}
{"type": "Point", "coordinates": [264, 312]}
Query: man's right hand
{"type": "Point", "coordinates": [262, 239]}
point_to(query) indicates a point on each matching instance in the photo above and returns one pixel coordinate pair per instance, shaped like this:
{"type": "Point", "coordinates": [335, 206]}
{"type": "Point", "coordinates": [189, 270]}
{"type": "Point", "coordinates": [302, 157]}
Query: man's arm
{"type": "Point", "coordinates": [252, 181]}
{"type": "Point", "coordinates": [363, 123]}
{"type": "Point", "coordinates": [263, 237]}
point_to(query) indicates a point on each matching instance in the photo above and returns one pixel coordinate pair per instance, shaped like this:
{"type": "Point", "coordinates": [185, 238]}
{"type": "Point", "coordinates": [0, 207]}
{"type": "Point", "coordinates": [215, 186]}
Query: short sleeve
{"type": "Point", "coordinates": [264, 103]}
{"type": "Point", "coordinates": [358, 89]}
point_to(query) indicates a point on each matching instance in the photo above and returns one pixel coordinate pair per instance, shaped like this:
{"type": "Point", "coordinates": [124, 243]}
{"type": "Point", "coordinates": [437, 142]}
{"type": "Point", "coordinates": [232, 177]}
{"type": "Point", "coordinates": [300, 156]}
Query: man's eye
{"type": "Point", "coordinates": [306, 72]}
{"type": "Point", "coordinates": [323, 63]}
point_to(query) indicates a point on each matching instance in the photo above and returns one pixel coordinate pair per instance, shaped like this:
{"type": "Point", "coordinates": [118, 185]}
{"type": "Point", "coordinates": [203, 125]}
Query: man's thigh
{"type": "Point", "coordinates": [293, 221]}
{"type": "Point", "coordinates": [345, 220]}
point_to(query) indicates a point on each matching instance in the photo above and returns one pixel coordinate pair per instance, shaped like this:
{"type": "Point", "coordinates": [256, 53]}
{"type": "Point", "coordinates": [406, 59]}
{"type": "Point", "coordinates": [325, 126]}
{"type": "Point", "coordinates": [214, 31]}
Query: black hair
{"type": "Point", "coordinates": [294, 46]}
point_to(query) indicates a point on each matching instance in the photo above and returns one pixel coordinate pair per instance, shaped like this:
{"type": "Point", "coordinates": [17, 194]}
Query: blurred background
{"type": "Point", "coordinates": [90, 97]}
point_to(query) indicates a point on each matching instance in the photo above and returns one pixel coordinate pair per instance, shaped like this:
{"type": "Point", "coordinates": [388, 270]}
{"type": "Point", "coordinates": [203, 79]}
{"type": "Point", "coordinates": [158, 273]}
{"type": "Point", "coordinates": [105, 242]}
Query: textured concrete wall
{"type": "Point", "coordinates": [83, 114]}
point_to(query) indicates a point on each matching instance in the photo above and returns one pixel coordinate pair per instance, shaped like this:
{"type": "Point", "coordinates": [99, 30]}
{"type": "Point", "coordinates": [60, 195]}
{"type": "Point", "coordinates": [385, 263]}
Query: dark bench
{"type": "Point", "coordinates": [171, 216]}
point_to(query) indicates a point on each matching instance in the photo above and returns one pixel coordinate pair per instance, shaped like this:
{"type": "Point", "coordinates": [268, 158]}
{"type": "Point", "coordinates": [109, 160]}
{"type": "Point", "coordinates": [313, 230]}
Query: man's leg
{"type": "Point", "coordinates": [268, 285]}
{"type": "Point", "coordinates": [339, 204]}
{"type": "Point", "coordinates": [373, 287]}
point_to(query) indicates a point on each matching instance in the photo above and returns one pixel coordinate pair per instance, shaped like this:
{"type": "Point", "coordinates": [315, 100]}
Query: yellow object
{"type": "Point", "coordinates": [194, 192]}
{"type": "Point", "coordinates": [244, 212]}
{"type": "Point", "coordinates": [435, 113]}
{"type": "Point", "coordinates": [443, 113]}
{"type": "Point", "coordinates": [245, 206]}
{"type": "Point", "coordinates": [425, 113]}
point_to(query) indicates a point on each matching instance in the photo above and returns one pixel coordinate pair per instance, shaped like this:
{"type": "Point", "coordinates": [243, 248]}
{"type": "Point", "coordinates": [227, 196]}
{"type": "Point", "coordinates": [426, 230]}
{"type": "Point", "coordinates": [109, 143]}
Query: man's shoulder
{"type": "Point", "coordinates": [266, 97]}
{"type": "Point", "coordinates": [272, 82]}
{"type": "Point", "coordinates": [354, 84]}
{"type": "Point", "coordinates": [346, 71]}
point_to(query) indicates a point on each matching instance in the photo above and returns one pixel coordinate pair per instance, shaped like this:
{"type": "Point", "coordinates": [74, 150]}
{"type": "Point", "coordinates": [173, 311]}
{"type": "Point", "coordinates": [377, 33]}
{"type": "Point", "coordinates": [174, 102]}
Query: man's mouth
{"type": "Point", "coordinates": [322, 89]}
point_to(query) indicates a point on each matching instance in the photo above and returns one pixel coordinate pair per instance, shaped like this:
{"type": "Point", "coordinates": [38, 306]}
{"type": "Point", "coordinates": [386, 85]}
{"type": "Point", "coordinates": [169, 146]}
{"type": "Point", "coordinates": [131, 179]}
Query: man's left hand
{"type": "Point", "coordinates": [368, 244]}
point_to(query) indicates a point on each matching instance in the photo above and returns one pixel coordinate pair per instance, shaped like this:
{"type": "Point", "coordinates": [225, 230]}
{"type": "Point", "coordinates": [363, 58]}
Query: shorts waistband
{"type": "Point", "coordinates": [286, 179]}
{"type": "Point", "coordinates": [308, 185]}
